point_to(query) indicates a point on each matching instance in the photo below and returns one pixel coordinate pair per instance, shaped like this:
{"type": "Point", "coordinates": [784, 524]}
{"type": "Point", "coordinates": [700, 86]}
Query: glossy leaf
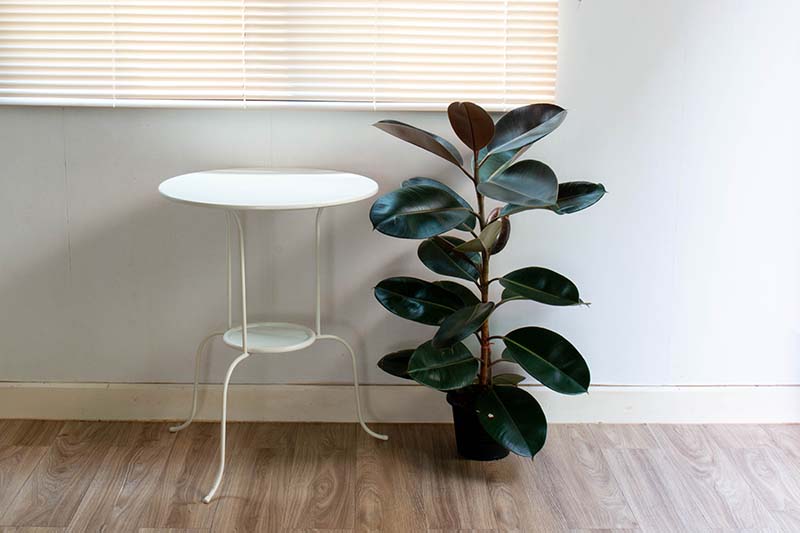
{"type": "Point", "coordinates": [466, 226]}
{"type": "Point", "coordinates": [396, 363]}
{"type": "Point", "coordinates": [541, 285]}
{"type": "Point", "coordinates": [417, 300]}
{"type": "Point", "coordinates": [574, 196]}
{"type": "Point", "coordinates": [466, 296]}
{"type": "Point", "coordinates": [513, 418]}
{"type": "Point", "coordinates": [485, 241]}
{"type": "Point", "coordinates": [548, 357]}
{"type": "Point", "coordinates": [472, 124]}
{"type": "Point", "coordinates": [439, 255]}
{"type": "Point", "coordinates": [503, 237]}
{"type": "Point", "coordinates": [525, 125]}
{"type": "Point", "coordinates": [417, 212]}
{"type": "Point", "coordinates": [497, 163]}
{"type": "Point", "coordinates": [461, 324]}
{"type": "Point", "coordinates": [507, 379]}
{"type": "Point", "coordinates": [508, 295]}
{"type": "Point", "coordinates": [529, 183]}
{"type": "Point", "coordinates": [423, 139]}
{"type": "Point", "coordinates": [513, 209]}
{"type": "Point", "coordinates": [443, 369]}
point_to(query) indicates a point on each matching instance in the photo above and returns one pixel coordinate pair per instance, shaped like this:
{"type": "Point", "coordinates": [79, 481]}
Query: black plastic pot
{"type": "Point", "coordinates": [472, 441]}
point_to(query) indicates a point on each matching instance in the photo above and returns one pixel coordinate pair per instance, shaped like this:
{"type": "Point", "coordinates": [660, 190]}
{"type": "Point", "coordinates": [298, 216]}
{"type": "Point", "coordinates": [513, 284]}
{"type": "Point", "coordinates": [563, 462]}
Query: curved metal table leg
{"type": "Point", "coordinates": [223, 423]}
{"type": "Point", "coordinates": [355, 386]}
{"type": "Point", "coordinates": [197, 357]}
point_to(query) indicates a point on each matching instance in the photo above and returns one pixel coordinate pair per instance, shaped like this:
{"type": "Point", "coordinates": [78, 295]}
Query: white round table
{"type": "Point", "coordinates": [240, 190]}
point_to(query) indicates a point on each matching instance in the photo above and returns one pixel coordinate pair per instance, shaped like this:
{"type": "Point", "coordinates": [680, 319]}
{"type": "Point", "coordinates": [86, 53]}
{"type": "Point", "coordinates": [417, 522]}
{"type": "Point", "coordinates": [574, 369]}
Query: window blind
{"type": "Point", "coordinates": [374, 54]}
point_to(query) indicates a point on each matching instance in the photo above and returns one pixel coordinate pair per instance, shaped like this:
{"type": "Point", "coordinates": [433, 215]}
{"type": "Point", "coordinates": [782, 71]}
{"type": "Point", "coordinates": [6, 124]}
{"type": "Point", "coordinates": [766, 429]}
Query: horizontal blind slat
{"type": "Point", "coordinates": [372, 53]}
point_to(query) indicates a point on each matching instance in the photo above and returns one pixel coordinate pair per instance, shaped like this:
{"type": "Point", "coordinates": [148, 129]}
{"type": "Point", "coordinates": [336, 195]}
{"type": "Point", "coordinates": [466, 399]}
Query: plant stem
{"type": "Point", "coordinates": [485, 377]}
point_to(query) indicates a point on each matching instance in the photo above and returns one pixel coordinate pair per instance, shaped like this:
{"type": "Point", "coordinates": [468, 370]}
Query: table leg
{"type": "Point", "coordinates": [355, 386]}
{"type": "Point", "coordinates": [229, 373]}
{"type": "Point", "coordinates": [223, 423]}
{"type": "Point", "coordinates": [197, 357]}
{"type": "Point", "coordinates": [200, 348]}
{"type": "Point", "coordinates": [317, 313]}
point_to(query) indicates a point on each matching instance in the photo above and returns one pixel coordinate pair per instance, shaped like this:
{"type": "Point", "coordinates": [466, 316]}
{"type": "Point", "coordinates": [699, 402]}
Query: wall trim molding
{"type": "Point", "coordinates": [393, 403]}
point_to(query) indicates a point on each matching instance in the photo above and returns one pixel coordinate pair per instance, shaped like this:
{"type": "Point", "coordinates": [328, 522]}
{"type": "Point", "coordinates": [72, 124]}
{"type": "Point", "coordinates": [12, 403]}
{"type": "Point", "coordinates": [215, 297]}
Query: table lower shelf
{"type": "Point", "coordinates": [271, 337]}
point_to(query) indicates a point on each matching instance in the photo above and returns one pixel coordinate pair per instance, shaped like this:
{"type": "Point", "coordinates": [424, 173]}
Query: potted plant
{"type": "Point", "coordinates": [492, 414]}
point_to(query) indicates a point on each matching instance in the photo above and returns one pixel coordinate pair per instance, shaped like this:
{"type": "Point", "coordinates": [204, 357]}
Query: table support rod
{"type": "Point", "coordinates": [316, 259]}
{"type": "Point", "coordinates": [228, 246]}
{"type": "Point", "coordinates": [240, 226]}
{"type": "Point", "coordinates": [355, 385]}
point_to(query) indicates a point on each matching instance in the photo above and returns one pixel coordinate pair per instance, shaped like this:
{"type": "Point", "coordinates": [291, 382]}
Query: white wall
{"type": "Point", "coordinates": [686, 110]}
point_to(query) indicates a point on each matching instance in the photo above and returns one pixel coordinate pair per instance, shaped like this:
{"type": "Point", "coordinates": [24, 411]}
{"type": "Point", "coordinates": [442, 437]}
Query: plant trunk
{"type": "Point", "coordinates": [486, 348]}
{"type": "Point", "coordinates": [485, 376]}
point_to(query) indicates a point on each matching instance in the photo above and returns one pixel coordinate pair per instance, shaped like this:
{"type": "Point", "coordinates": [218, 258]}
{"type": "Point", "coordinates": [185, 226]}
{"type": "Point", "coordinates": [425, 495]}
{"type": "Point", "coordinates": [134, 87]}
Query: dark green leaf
{"type": "Point", "coordinates": [417, 212]}
{"type": "Point", "coordinates": [471, 123]}
{"type": "Point", "coordinates": [439, 254]}
{"type": "Point", "coordinates": [462, 324]}
{"type": "Point", "coordinates": [485, 241]}
{"type": "Point", "coordinates": [510, 295]}
{"type": "Point", "coordinates": [417, 300]}
{"type": "Point", "coordinates": [502, 238]}
{"type": "Point", "coordinates": [471, 246]}
{"type": "Point", "coordinates": [425, 140]}
{"type": "Point", "coordinates": [513, 418]}
{"type": "Point", "coordinates": [466, 296]}
{"type": "Point", "coordinates": [512, 209]}
{"type": "Point", "coordinates": [466, 226]}
{"type": "Point", "coordinates": [541, 285]}
{"type": "Point", "coordinates": [529, 183]}
{"type": "Point", "coordinates": [525, 125]}
{"type": "Point", "coordinates": [396, 363]}
{"type": "Point", "coordinates": [574, 196]}
{"type": "Point", "coordinates": [443, 369]}
{"type": "Point", "coordinates": [548, 357]}
{"type": "Point", "coordinates": [496, 163]}
{"type": "Point", "coordinates": [507, 379]}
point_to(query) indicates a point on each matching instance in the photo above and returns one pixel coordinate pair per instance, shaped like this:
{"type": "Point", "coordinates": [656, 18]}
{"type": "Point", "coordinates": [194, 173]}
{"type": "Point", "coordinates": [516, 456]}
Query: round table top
{"type": "Point", "coordinates": [262, 188]}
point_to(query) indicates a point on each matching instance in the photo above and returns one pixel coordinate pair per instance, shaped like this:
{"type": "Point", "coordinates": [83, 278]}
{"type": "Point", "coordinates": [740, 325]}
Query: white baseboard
{"type": "Point", "coordinates": [392, 403]}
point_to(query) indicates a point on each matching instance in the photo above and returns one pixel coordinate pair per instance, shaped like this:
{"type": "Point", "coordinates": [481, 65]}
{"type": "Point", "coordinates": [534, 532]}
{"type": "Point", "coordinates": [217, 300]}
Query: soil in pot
{"type": "Point", "coordinates": [472, 441]}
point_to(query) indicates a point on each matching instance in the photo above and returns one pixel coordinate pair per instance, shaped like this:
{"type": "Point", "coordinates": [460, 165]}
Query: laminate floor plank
{"type": "Point", "coordinates": [737, 436]}
{"type": "Point", "coordinates": [55, 489]}
{"type": "Point", "coordinates": [775, 480]}
{"type": "Point", "coordinates": [31, 529]}
{"type": "Point", "coordinates": [712, 479]}
{"type": "Point", "coordinates": [455, 492]}
{"type": "Point", "coordinates": [656, 505]}
{"type": "Point", "coordinates": [623, 436]}
{"type": "Point", "coordinates": [29, 432]}
{"type": "Point", "coordinates": [320, 490]}
{"type": "Point", "coordinates": [170, 530]}
{"type": "Point", "coordinates": [16, 465]}
{"type": "Point", "coordinates": [122, 490]}
{"type": "Point", "coordinates": [583, 485]}
{"type": "Point", "coordinates": [786, 437]}
{"type": "Point", "coordinates": [188, 474]}
{"type": "Point", "coordinates": [520, 498]}
{"type": "Point", "coordinates": [253, 496]}
{"type": "Point", "coordinates": [67, 477]}
{"type": "Point", "coordinates": [389, 494]}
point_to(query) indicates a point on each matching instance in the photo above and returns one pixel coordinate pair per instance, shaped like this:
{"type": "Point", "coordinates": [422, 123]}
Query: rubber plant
{"type": "Point", "coordinates": [459, 240]}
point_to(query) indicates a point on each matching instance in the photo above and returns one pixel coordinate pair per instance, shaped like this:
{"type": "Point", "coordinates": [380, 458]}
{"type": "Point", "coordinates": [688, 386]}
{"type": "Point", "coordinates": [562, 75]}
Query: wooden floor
{"type": "Point", "coordinates": [118, 477]}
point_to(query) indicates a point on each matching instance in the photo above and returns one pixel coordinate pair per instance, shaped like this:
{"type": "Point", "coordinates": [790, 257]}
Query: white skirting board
{"type": "Point", "coordinates": [392, 403]}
